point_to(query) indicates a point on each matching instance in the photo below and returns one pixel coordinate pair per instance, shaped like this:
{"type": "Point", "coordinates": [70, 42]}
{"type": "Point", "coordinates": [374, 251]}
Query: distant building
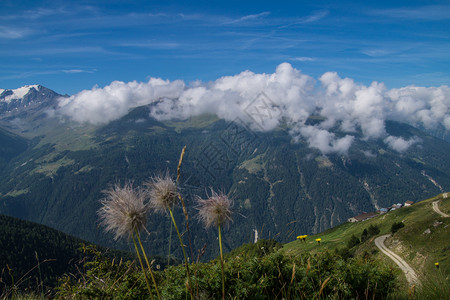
{"type": "Point", "coordinates": [362, 217]}
{"type": "Point", "coordinates": [398, 205]}
{"type": "Point", "coordinates": [383, 210]}
{"type": "Point", "coordinates": [408, 203]}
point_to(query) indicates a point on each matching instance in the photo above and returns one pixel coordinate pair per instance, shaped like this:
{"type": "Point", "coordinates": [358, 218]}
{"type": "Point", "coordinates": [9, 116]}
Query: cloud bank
{"type": "Point", "coordinates": [263, 101]}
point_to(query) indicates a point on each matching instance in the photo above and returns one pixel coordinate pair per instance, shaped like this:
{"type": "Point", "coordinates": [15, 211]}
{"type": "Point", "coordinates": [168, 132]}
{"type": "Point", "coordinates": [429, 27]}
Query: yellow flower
{"type": "Point", "coordinates": [318, 240]}
{"type": "Point", "coordinates": [436, 264]}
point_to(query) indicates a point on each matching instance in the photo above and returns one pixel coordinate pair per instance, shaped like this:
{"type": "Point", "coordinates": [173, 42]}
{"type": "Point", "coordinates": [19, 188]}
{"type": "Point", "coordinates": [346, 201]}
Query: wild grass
{"type": "Point", "coordinates": [249, 273]}
{"type": "Point", "coordinates": [20, 287]}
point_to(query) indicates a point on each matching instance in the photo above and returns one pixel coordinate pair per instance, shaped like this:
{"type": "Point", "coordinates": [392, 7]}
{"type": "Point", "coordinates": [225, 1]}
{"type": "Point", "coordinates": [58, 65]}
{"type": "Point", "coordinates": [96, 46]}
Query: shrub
{"type": "Point", "coordinates": [364, 236]}
{"type": "Point", "coordinates": [103, 279]}
{"type": "Point", "coordinates": [373, 230]}
{"type": "Point", "coordinates": [396, 226]}
{"type": "Point", "coordinates": [353, 242]}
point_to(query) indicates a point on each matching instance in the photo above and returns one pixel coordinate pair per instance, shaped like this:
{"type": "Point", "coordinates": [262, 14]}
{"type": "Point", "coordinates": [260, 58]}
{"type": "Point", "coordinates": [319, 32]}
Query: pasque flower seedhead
{"type": "Point", "coordinates": [123, 210]}
{"type": "Point", "coordinates": [215, 210]}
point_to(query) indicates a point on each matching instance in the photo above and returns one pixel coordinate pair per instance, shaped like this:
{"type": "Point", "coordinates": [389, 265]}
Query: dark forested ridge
{"type": "Point", "coordinates": [279, 187]}
{"type": "Point", "coordinates": [36, 256]}
{"type": "Point", "coordinates": [24, 245]}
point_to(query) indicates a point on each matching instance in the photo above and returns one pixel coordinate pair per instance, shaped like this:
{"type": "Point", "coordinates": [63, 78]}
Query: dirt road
{"type": "Point", "coordinates": [436, 209]}
{"type": "Point", "coordinates": [411, 276]}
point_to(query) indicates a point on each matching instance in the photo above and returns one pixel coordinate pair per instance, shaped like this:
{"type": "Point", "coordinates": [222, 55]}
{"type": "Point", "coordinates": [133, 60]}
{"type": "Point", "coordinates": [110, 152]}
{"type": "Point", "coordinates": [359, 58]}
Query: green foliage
{"type": "Point", "coordinates": [396, 226]}
{"type": "Point", "coordinates": [34, 256]}
{"type": "Point", "coordinates": [270, 276]}
{"type": "Point", "coordinates": [259, 249]}
{"type": "Point", "coordinates": [435, 286]}
{"type": "Point", "coordinates": [35, 253]}
{"type": "Point", "coordinates": [369, 232]}
{"type": "Point", "coordinates": [364, 235]}
{"type": "Point", "coordinates": [353, 242]}
{"type": "Point", "coordinates": [373, 230]}
{"type": "Point", "coordinates": [103, 278]}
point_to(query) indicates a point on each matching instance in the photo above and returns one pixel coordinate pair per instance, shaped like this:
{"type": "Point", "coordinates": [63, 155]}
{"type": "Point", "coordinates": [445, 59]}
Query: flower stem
{"type": "Point", "coordinates": [221, 263]}
{"type": "Point", "coordinates": [184, 253]}
{"type": "Point", "coordinates": [142, 266]}
{"type": "Point", "coordinates": [170, 243]}
{"type": "Point", "coordinates": [148, 264]}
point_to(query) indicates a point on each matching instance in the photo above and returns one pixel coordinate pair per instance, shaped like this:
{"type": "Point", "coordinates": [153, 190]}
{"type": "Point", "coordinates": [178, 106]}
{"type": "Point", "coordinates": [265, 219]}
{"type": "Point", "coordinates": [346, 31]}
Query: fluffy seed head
{"type": "Point", "coordinates": [123, 210]}
{"type": "Point", "coordinates": [215, 210]}
{"type": "Point", "coordinates": [163, 193]}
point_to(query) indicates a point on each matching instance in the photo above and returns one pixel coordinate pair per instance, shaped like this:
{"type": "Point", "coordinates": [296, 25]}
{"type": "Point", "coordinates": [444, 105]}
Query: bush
{"type": "Point", "coordinates": [396, 226]}
{"type": "Point", "coordinates": [364, 236]}
{"type": "Point", "coordinates": [373, 230]}
{"type": "Point", "coordinates": [353, 242]}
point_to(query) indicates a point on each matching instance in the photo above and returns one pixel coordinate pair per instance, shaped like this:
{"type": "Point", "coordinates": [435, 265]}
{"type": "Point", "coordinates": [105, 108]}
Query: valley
{"type": "Point", "coordinates": [57, 170]}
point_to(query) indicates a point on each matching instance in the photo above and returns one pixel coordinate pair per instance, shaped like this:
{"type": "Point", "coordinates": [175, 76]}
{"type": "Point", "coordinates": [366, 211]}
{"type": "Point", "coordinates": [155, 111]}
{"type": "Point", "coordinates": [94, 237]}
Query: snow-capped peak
{"type": "Point", "coordinates": [17, 93]}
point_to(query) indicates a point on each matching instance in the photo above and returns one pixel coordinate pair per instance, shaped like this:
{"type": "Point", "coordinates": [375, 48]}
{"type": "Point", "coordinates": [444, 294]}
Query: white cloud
{"type": "Point", "coordinates": [399, 144]}
{"type": "Point", "coordinates": [264, 100]}
{"type": "Point", "coordinates": [249, 18]}
{"type": "Point", "coordinates": [325, 141]}
{"type": "Point", "coordinates": [13, 33]}
{"type": "Point", "coordinates": [353, 106]}
{"type": "Point", "coordinates": [368, 153]}
{"type": "Point", "coordinates": [303, 58]}
{"type": "Point", "coordinates": [101, 105]}
{"type": "Point", "coordinates": [428, 107]}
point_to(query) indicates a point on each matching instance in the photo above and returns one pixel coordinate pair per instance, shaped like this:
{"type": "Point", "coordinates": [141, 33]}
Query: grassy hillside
{"type": "Point", "coordinates": [423, 241]}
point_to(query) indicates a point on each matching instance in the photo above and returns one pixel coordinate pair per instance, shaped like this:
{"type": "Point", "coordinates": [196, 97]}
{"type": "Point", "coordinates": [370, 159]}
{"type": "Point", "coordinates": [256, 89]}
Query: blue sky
{"type": "Point", "coordinates": [70, 46]}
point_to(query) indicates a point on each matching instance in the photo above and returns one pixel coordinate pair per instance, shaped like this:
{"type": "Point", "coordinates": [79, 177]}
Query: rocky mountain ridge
{"type": "Point", "coordinates": [26, 97]}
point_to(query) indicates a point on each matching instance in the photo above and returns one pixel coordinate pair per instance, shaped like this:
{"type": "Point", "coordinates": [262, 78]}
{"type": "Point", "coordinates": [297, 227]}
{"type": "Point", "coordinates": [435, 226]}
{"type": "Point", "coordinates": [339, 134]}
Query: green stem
{"type": "Point", "coordinates": [142, 266]}
{"type": "Point", "coordinates": [148, 264]}
{"type": "Point", "coordinates": [184, 253]}
{"type": "Point", "coordinates": [221, 264]}
{"type": "Point", "coordinates": [170, 243]}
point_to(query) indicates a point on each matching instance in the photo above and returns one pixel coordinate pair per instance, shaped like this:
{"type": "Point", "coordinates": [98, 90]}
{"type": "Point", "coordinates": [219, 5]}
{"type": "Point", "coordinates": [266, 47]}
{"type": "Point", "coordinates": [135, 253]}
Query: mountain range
{"type": "Point", "coordinates": [53, 170]}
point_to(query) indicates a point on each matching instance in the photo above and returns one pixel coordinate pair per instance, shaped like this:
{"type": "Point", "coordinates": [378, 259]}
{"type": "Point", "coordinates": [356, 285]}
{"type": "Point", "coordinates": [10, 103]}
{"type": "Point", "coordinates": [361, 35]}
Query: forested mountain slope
{"type": "Point", "coordinates": [35, 251]}
{"type": "Point", "coordinates": [279, 186]}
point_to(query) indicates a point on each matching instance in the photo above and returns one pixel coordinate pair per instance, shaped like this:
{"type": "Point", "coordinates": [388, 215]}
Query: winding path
{"type": "Point", "coordinates": [436, 209]}
{"type": "Point", "coordinates": [411, 276]}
